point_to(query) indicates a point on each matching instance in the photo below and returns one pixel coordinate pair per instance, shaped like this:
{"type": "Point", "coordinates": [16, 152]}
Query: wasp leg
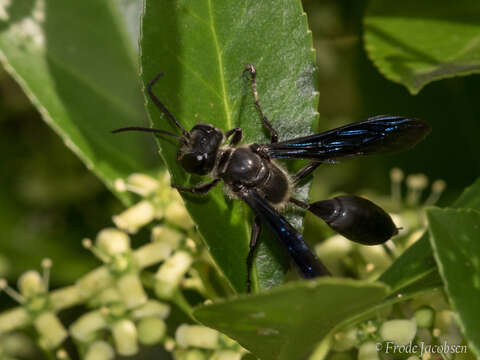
{"type": "Point", "coordinates": [256, 227]}
{"type": "Point", "coordinates": [305, 171]}
{"type": "Point", "coordinates": [253, 73]}
{"type": "Point", "coordinates": [237, 136]}
{"type": "Point", "coordinates": [299, 203]}
{"type": "Point", "coordinates": [201, 189]}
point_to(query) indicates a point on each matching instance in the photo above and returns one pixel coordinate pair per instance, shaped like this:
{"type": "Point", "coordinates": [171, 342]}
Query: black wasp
{"type": "Point", "coordinates": [251, 174]}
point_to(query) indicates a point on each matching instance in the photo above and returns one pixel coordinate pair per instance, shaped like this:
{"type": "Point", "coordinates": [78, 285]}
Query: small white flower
{"type": "Point", "coordinates": [135, 217]}
{"type": "Point", "coordinates": [125, 336]}
{"type": "Point", "coordinates": [399, 331]}
{"type": "Point", "coordinates": [196, 336]}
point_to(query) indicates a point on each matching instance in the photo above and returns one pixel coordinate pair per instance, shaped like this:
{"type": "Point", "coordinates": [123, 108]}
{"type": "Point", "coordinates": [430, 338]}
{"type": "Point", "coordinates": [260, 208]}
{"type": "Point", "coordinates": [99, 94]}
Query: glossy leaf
{"type": "Point", "coordinates": [454, 236]}
{"type": "Point", "coordinates": [417, 262]}
{"type": "Point", "coordinates": [82, 79]}
{"type": "Point", "coordinates": [287, 322]}
{"type": "Point", "coordinates": [202, 47]}
{"type": "Point", "coordinates": [414, 43]}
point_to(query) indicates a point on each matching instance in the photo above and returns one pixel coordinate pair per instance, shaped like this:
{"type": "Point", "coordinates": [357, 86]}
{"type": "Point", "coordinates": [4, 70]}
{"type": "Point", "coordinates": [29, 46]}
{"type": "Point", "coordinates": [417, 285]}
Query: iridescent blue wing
{"type": "Point", "coordinates": [305, 259]}
{"type": "Point", "coordinates": [377, 135]}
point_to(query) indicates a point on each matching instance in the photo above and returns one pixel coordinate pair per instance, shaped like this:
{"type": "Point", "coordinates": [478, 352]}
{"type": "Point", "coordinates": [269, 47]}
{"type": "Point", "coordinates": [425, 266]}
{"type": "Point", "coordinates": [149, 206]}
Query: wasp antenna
{"type": "Point", "coordinates": [144, 129]}
{"type": "Point", "coordinates": [162, 107]}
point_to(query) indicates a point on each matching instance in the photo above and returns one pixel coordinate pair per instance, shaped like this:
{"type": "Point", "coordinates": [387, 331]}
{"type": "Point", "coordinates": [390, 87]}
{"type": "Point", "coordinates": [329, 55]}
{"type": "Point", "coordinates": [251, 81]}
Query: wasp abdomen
{"type": "Point", "coordinates": [357, 219]}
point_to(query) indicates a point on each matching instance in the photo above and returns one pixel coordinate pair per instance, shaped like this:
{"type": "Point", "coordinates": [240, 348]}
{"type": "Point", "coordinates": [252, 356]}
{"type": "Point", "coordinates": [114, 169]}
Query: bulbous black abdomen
{"type": "Point", "coordinates": [357, 219]}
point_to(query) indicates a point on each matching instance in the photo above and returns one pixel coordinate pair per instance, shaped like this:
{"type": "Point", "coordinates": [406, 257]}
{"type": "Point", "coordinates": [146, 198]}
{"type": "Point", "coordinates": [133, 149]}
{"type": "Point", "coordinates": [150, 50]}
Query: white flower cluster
{"type": "Point", "coordinates": [413, 329]}
{"type": "Point", "coordinates": [129, 303]}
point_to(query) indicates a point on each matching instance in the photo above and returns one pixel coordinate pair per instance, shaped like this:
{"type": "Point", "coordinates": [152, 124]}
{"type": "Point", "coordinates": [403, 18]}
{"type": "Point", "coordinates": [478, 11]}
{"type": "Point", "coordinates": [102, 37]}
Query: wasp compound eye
{"type": "Point", "coordinates": [196, 163]}
{"type": "Point", "coordinates": [357, 219]}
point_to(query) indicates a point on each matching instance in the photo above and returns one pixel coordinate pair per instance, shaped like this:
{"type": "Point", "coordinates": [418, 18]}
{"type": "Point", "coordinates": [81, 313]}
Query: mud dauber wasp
{"type": "Point", "coordinates": [251, 174]}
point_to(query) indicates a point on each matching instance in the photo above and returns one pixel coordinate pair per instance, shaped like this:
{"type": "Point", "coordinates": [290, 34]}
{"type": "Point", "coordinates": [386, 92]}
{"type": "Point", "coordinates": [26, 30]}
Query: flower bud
{"type": "Point", "coordinates": [335, 247]}
{"type": "Point", "coordinates": [110, 295]}
{"type": "Point", "coordinates": [62, 355]}
{"type": "Point", "coordinates": [125, 336]}
{"type": "Point", "coordinates": [135, 217]}
{"type": "Point", "coordinates": [196, 336]}
{"type": "Point", "coordinates": [84, 328]}
{"type": "Point", "coordinates": [51, 331]}
{"type": "Point", "coordinates": [417, 181]}
{"type": "Point", "coordinates": [142, 184]}
{"type": "Point", "coordinates": [399, 331]}
{"type": "Point", "coordinates": [375, 255]}
{"type": "Point", "coordinates": [169, 344]}
{"type": "Point", "coordinates": [152, 253]}
{"type": "Point", "coordinates": [168, 235]}
{"type": "Point", "coordinates": [424, 317]}
{"type": "Point", "coordinates": [12, 319]}
{"type": "Point", "coordinates": [120, 185]}
{"type": "Point", "coordinates": [113, 241]}
{"type": "Point", "coordinates": [176, 213]}
{"type": "Point", "coordinates": [31, 284]}
{"type": "Point", "coordinates": [151, 330]}
{"type": "Point", "coordinates": [449, 330]}
{"type": "Point", "coordinates": [152, 308]}
{"type": "Point", "coordinates": [345, 340]}
{"type": "Point", "coordinates": [94, 281]}
{"type": "Point", "coordinates": [100, 350]}
{"type": "Point", "coordinates": [195, 354]}
{"type": "Point", "coordinates": [171, 272]}
{"type": "Point", "coordinates": [131, 289]}
{"type": "Point", "coordinates": [368, 351]}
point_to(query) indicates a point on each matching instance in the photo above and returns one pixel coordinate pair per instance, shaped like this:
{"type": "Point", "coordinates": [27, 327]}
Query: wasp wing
{"type": "Point", "coordinates": [305, 259]}
{"type": "Point", "coordinates": [377, 135]}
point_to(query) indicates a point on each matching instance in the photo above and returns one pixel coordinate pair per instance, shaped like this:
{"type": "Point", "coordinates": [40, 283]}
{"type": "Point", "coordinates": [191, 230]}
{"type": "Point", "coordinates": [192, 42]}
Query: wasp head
{"type": "Point", "coordinates": [197, 154]}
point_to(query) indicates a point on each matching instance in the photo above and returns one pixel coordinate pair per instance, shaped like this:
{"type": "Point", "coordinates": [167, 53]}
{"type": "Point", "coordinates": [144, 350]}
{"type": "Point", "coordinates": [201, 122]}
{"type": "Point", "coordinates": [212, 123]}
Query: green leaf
{"type": "Point", "coordinates": [414, 43]}
{"type": "Point", "coordinates": [454, 236]}
{"type": "Point", "coordinates": [287, 322]}
{"type": "Point", "coordinates": [82, 79]}
{"type": "Point", "coordinates": [417, 263]}
{"type": "Point", "coordinates": [202, 47]}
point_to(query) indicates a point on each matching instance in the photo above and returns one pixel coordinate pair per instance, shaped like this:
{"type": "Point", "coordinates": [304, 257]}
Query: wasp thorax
{"type": "Point", "coordinates": [199, 153]}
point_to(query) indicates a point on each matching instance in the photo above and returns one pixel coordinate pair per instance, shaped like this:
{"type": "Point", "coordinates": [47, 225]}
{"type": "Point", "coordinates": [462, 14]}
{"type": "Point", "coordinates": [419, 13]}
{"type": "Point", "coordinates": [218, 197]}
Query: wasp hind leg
{"type": "Point", "coordinates": [305, 171]}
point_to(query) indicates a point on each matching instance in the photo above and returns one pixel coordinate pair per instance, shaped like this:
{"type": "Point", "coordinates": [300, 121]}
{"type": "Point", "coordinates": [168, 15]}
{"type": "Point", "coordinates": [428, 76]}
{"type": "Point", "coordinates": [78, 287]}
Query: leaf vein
{"type": "Point", "coordinates": [196, 74]}
{"type": "Point", "coordinates": [226, 106]}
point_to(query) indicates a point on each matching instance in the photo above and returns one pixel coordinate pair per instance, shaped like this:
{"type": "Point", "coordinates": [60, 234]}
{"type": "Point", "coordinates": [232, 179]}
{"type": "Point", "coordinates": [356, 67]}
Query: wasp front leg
{"type": "Point", "coordinates": [253, 73]}
{"type": "Point", "coordinates": [201, 189]}
{"type": "Point", "coordinates": [237, 136]}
